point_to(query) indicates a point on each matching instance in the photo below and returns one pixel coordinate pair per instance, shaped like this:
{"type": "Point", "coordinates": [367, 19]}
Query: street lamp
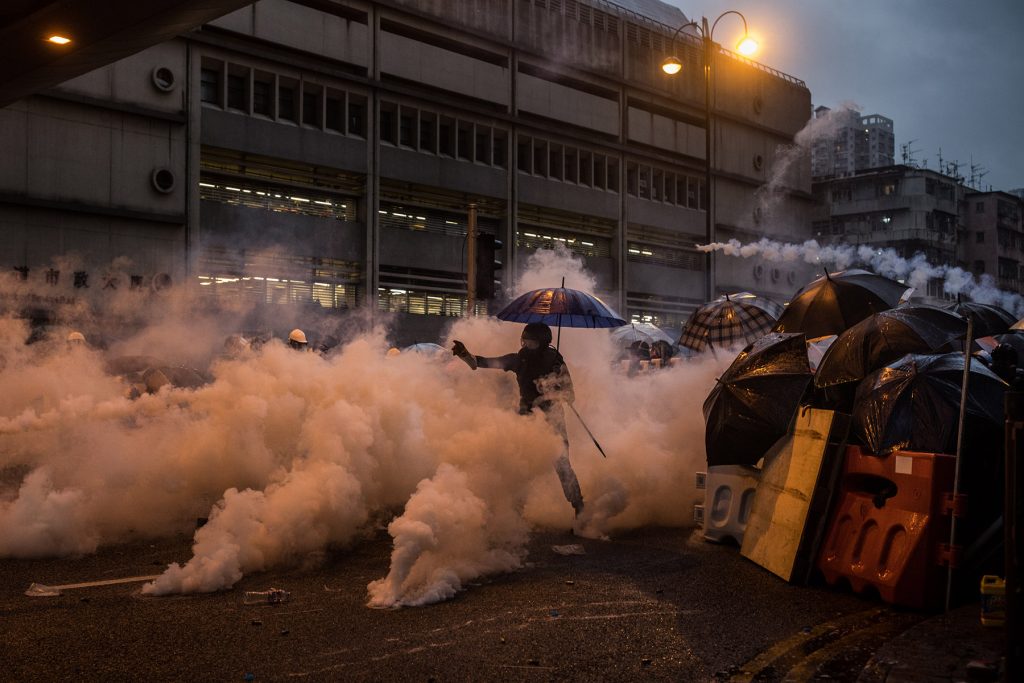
{"type": "Point", "coordinates": [672, 66]}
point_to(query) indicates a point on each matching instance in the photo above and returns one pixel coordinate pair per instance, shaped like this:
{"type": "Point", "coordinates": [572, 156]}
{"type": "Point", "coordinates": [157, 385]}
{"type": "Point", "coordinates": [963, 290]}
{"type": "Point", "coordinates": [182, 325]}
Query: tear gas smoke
{"type": "Point", "coordinates": [290, 453]}
{"type": "Point", "coordinates": [915, 271]}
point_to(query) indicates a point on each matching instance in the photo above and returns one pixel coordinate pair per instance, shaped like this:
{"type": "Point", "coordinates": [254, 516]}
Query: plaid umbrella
{"type": "Point", "coordinates": [729, 320]}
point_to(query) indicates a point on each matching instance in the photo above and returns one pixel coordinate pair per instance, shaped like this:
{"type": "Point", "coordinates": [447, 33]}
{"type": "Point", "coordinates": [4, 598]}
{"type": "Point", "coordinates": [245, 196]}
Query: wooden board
{"type": "Point", "coordinates": [792, 499]}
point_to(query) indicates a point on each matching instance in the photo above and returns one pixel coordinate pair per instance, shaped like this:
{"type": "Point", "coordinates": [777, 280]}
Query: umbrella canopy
{"type": "Point", "coordinates": [753, 403]}
{"type": "Point", "coordinates": [642, 332]}
{"type": "Point", "coordinates": [1014, 339]}
{"type": "Point", "coordinates": [427, 349]}
{"type": "Point", "coordinates": [729, 320]}
{"type": "Point", "coordinates": [884, 337]}
{"type": "Point", "coordinates": [838, 301]}
{"type": "Point", "coordinates": [914, 403]}
{"type": "Point", "coordinates": [988, 319]}
{"type": "Point", "coordinates": [562, 307]}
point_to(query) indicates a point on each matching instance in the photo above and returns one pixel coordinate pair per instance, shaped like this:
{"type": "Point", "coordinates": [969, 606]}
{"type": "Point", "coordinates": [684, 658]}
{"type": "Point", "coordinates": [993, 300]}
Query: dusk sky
{"type": "Point", "coordinates": [949, 73]}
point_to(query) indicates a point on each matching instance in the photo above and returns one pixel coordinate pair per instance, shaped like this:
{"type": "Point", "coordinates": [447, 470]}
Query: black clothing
{"type": "Point", "coordinates": [529, 367]}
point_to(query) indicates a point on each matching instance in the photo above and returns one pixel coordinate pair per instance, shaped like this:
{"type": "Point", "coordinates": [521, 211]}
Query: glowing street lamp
{"type": "Point", "coordinates": [746, 46]}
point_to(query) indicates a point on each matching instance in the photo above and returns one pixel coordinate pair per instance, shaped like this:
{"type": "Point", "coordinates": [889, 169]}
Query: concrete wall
{"type": "Point", "coordinates": [302, 28]}
{"type": "Point", "coordinates": [422, 63]}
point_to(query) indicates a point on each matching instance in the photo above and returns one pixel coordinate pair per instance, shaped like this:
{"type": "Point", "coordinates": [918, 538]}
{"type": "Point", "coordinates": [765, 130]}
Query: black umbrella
{"type": "Point", "coordinates": [729, 320]}
{"type": "Point", "coordinates": [914, 403]}
{"type": "Point", "coordinates": [838, 301]}
{"type": "Point", "coordinates": [884, 337]}
{"type": "Point", "coordinates": [753, 402]}
{"type": "Point", "coordinates": [988, 319]}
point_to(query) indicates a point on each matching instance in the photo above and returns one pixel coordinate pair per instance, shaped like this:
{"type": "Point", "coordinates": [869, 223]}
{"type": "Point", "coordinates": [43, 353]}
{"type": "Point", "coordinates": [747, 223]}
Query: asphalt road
{"type": "Point", "coordinates": [655, 604]}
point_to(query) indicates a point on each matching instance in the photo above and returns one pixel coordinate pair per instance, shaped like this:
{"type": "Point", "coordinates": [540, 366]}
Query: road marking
{"type": "Point", "coordinates": [806, 669]}
{"type": "Point", "coordinates": [781, 649]}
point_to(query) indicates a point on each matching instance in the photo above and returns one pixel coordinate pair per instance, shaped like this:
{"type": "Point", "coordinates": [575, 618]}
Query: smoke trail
{"type": "Point", "coordinates": [916, 271]}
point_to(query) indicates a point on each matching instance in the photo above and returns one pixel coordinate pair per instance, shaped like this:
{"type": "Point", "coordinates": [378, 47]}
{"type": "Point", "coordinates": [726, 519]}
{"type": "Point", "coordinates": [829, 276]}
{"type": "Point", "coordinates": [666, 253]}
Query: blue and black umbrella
{"type": "Point", "coordinates": [561, 307]}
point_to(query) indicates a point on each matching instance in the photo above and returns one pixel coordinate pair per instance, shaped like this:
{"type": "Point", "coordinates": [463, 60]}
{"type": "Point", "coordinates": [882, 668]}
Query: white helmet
{"type": "Point", "coordinates": [297, 336]}
{"type": "Point", "coordinates": [76, 337]}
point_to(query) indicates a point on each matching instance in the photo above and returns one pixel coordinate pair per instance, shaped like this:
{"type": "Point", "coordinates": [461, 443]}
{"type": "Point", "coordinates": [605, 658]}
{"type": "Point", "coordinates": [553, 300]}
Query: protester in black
{"type": "Point", "coordinates": [543, 380]}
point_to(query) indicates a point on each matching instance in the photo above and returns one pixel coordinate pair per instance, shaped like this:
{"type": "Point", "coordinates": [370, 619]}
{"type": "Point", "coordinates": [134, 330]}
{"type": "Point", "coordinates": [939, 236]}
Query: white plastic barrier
{"type": "Point", "coordinates": [728, 501]}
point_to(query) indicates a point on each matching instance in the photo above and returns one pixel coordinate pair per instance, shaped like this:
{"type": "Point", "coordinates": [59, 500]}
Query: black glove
{"type": "Point", "coordinates": [459, 349]}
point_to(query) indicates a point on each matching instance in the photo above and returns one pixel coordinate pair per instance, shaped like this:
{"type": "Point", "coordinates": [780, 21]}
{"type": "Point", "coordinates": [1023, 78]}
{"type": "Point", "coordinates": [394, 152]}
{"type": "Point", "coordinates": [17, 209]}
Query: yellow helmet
{"type": "Point", "coordinates": [76, 337]}
{"type": "Point", "coordinates": [297, 336]}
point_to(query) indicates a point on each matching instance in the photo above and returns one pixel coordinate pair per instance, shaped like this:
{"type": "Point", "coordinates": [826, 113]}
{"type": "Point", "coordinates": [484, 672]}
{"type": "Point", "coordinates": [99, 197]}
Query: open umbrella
{"type": "Point", "coordinates": [884, 337]}
{"type": "Point", "coordinates": [753, 402]}
{"type": "Point", "coordinates": [914, 403]}
{"type": "Point", "coordinates": [427, 349]}
{"type": "Point", "coordinates": [642, 332]}
{"type": "Point", "coordinates": [837, 301]}
{"type": "Point", "coordinates": [988, 318]}
{"type": "Point", "coordinates": [561, 307]}
{"type": "Point", "coordinates": [729, 320]}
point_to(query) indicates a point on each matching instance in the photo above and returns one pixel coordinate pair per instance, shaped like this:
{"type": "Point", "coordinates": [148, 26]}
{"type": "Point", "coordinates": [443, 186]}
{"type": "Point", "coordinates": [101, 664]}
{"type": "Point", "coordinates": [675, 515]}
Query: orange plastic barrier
{"type": "Point", "coordinates": [890, 526]}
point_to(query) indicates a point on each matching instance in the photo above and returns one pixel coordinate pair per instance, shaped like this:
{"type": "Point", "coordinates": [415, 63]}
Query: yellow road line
{"type": "Point", "coordinates": [784, 647]}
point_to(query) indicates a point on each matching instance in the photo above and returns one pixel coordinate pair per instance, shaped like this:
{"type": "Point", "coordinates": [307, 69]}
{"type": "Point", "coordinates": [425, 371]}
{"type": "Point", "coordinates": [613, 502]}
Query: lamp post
{"type": "Point", "coordinates": [673, 65]}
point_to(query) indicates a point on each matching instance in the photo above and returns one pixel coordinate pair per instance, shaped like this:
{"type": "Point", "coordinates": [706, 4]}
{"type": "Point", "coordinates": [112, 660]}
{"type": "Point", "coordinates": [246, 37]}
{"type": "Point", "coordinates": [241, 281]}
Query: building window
{"type": "Point", "coordinates": [556, 156]}
{"type": "Point", "coordinates": [263, 94]}
{"type": "Point", "coordinates": [657, 186]}
{"type": "Point", "coordinates": [286, 101]}
{"type": "Point", "coordinates": [613, 175]}
{"type": "Point", "coordinates": [357, 115]}
{"type": "Point", "coordinates": [571, 165]}
{"type": "Point", "coordinates": [600, 172]}
{"type": "Point", "coordinates": [446, 136]}
{"type": "Point", "coordinates": [334, 104]}
{"type": "Point", "coordinates": [645, 182]}
{"type": "Point", "coordinates": [979, 267]}
{"type": "Point", "coordinates": [388, 123]}
{"type": "Point", "coordinates": [498, 142]}
{"type": "Point", "coordinates": [979, 207]}
{"type": "Point", "coordinates": [311, 106]}
{"type": "Point", "coordinates": [631, 179]}
{"type": "Point", "coordinates": [407, 127]}
{"type": "Point", "coordinates": [540, 158]}
{"type": "Point", "coordinates": [586, 168]}
{"type": "Point", "coordinates": [238, 95]}
{"type": "Point", "coordinates": [428, 132]}
{"type": "Point", "coordinates": [465, 141]}
{"type": "Point", "coordinates": [523, 153]}
{"type": "Point", "coordinates": [979, 237]}
{"type": "Point", "coordinates": [209, 85]}
{"type": "Point", "coordinates": [483, 145]}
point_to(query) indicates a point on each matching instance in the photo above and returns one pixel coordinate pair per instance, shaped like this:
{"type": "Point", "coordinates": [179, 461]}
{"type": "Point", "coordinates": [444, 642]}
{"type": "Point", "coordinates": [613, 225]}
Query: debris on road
{"type": "Point", "coordinates": [574, 549]}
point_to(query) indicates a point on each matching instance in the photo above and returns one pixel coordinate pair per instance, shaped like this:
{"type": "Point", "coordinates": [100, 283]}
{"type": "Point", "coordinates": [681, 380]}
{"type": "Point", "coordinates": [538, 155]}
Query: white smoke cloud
{"type": "Point", "coordinates": [289, 454]}
{"type": "Point", "coordinates": [915, 271]}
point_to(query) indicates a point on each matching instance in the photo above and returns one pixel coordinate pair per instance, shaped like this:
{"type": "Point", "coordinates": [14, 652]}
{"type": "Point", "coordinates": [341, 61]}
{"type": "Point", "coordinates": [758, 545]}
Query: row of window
{"type": "Point", "coordinates": [447, 136]}
{"type": "Point", "coordinates": [396, 300]}
{"type": "Point", "coordinates": [280, 98]}
{"type": "Point", "coordinates": [277, 199]}
{"type": "Point", "coordinates": [570, 164]}
{"type": "Point", "coordinates": [278, 290]}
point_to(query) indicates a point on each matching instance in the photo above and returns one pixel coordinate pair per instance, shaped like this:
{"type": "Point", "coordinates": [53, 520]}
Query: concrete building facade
{"type": "Point", "coordinates": [994, 237]}
{"type": "Point", "coordinates": [325, 154]}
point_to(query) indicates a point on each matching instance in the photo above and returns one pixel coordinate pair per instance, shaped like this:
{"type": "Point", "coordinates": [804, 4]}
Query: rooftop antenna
{"type": "Point", "coordinates": [977, 173]}
{"type": "Point", "coordinates": [908, 153]}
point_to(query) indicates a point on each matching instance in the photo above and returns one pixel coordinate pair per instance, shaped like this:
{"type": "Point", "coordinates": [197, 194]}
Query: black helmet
{"type": "Point", "coordinates": [538, 332]}
{"type": "Point", "coordinates": [1004, 354]}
